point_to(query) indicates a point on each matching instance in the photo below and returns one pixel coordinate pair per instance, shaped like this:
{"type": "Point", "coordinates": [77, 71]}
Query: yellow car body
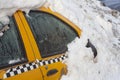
{"type": "Point", "coordinates": [36, 67]}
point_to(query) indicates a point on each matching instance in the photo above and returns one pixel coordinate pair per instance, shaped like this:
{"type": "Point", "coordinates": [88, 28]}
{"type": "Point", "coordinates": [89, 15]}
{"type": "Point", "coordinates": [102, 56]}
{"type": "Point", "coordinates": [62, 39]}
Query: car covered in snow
{"type": "Point", "coordinates": [35, 45]}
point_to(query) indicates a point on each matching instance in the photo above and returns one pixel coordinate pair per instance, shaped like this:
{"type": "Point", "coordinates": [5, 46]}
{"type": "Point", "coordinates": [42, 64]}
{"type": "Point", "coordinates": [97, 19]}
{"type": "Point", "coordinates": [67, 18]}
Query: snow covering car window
{"type": "Point", "coordinates": [52, 35]}
{"type": "Point", "coordinates": [11, 48]}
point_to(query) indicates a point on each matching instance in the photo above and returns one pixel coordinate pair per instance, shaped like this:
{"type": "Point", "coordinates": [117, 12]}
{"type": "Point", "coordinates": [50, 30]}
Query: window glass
{"type": "Point", "coordinates": [52, 35]}
{"type": "Point", "coordinates": [11, 47]}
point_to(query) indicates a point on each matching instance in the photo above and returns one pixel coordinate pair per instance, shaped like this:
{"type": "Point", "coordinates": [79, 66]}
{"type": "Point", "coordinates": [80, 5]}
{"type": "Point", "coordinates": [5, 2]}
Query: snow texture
{"type": "Point", "coordinates": [14, 61]}
{"type": "Point", "coordinates": [8, 7]}
{"type": "Point", "coordinates": [99, 24]}
{"type": "Point", "coordinates": [102, 26]}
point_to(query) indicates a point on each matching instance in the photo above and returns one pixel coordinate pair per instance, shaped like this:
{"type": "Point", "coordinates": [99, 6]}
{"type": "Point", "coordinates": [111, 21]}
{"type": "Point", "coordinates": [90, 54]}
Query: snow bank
{"type": "Point", "coordinates": [102, 26]}
{"type": "Point", "coordinates": [8, 7]}
{"type": "Point", "coordinates": [99, 24]}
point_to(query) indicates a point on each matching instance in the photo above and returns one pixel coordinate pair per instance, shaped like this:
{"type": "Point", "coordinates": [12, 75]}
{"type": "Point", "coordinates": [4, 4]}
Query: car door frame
{"type": "Point", "coordinates": [48, 67]}
{"type": "Point", "coordinates": [24, 71]}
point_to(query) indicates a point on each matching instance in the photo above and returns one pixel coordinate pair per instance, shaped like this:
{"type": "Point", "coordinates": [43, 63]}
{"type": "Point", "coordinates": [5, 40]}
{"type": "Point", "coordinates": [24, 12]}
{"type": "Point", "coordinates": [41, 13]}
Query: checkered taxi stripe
{"type": "Point", "coordinates": [20, 69]}
{"type": "Point", "coordinates": [30, 66]}
{"type": "Point", "coordinates": [54, 60]}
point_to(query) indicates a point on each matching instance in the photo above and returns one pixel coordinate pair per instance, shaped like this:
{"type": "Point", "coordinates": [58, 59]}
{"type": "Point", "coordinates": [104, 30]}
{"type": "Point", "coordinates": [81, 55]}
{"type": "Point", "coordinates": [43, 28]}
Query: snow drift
{"type": "Point", "coordinates": [98, 23]}
{"type": "Point", "coordinates": [102, 26]}
{"type": "Point", "coordinates": [8, 7]}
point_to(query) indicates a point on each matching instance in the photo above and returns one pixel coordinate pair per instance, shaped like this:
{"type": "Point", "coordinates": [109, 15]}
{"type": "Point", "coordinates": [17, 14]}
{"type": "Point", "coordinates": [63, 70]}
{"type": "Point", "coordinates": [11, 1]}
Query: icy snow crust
{"type": "Point", "coordinates": [98, 23]}
{"type": "Point", "coordinates": [8, 7]}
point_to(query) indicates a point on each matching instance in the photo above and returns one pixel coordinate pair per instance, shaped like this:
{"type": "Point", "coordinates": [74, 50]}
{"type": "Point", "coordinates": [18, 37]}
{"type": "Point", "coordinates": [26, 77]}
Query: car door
{"type": "Point", "coordinates": [49, 37]}
{"type": "Point", "coordinates": [17, 60]}
{"type": "Point", "coordinates": [52, 36]}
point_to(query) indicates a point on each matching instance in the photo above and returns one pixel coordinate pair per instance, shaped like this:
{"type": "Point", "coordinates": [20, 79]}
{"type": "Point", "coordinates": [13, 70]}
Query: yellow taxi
{"type": "Point", "coordinates": [35, 45]}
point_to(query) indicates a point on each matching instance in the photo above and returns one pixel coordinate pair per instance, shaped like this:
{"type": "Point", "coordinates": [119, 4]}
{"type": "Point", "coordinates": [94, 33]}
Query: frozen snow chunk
{"type": "Point", "coordinates": [4, 19]}
{"type": "Point", "coordinates": [1, 34]}
{"type": "Point", "coordinates": [5, 28]}
{"type": "Point", "coordinates": [14, 61]}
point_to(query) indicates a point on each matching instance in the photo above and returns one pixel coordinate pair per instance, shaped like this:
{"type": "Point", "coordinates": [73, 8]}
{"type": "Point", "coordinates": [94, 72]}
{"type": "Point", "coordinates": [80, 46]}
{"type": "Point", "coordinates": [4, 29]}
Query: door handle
{"type": "Point", "coordinates": [52, 72]}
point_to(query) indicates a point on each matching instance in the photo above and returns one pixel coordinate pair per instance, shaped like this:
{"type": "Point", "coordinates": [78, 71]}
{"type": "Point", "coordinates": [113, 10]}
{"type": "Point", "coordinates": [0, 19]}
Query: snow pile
{"type": "Point", "coordinates": [99, 24]}
{"type": "Point", "coordinates": [102, 26]}
{"type": "Point", "coordinates": [8, 7]}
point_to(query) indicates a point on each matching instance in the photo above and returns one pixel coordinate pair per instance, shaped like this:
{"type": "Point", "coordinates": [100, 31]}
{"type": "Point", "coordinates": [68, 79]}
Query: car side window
{"type": "Point", "coordinates": [11, 47]}
{"type": "Point", "coordinates": [51, 34]}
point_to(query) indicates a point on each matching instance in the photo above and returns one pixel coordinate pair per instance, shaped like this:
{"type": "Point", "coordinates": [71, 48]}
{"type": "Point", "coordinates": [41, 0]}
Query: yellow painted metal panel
{"type": "Point", "coordinates": [59, 66]}
{"type": "Point", "coordinates": [30, 75]}
{"type": "Point", "coordinates": [30, 36]}
{"type": "Point", "coordinates": [26, 41]}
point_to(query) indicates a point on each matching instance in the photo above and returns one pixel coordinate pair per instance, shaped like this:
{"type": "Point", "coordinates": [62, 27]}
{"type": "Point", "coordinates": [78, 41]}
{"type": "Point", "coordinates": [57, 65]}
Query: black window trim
{"type": "Point", "coordinates": [22, 62]}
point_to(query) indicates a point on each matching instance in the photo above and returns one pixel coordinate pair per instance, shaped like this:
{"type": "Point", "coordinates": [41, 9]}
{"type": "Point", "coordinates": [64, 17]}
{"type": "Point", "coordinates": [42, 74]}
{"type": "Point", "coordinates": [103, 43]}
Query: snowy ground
{"type": "Point", "coordinates": [99, 24]}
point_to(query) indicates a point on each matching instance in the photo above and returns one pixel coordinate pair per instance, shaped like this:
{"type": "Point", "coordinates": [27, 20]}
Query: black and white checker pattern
{"type": "Point", "coordinates": [54, 60]}
{"type": "Point", "coordinates": [30, 66]}
{"type": "Point", "coordinates": [20, 69]}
